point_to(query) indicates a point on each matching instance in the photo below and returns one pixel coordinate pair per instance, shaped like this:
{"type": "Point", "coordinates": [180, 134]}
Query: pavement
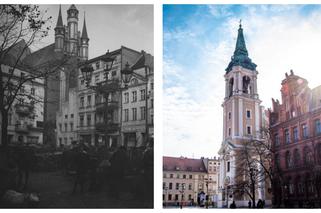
{"type": "Point", "coordinates": [55, 191]}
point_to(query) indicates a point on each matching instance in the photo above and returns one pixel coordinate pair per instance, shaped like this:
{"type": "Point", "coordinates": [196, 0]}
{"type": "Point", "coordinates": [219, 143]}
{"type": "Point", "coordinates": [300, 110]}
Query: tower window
{"type": "Point", "coordinates": [229, 131]}
{"type": "Point", "coordinates": [231, 83]}
{"type": "Point", "coordinates": [248, 113]}
{"type": "Point", "coordinates": [228, 166]}
{"type": "Point", "coordinates": [229, 115]}
{"type": "Point", "coordinates": [249, 131]}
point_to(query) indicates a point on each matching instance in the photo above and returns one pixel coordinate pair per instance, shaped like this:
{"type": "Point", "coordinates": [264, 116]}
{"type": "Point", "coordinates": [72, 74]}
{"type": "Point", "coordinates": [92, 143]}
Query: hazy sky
{"type": "Point", "coordinates": [109, 26]}
{"type": "Point", "coordinates": [199, 41]}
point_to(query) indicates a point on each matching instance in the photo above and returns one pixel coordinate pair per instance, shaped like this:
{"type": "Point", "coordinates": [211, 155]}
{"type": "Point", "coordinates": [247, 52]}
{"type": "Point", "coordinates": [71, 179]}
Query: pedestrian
{"type": "Point", "coordinates": [118, 161]}
{"type": "Point", "coordinates": [233, 205]}
{"type": "Point", "coordinates": [250, 204]}
{"type": "Point", "coordinates": [259, 204]}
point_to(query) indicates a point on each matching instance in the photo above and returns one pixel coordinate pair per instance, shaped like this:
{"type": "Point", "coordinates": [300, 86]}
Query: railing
{"type": "Point", "coordinates": [22, 127]}
{"type": "Point", "coordinates": [24, 109]}
{"type": "Point", "coordinates": [107, 127]}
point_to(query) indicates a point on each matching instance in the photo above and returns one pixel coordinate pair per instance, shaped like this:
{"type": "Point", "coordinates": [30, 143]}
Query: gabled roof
{"type": "Point", "coordinates": [145, 60]}
{"type": "Point", "coordinates": [183, 164]}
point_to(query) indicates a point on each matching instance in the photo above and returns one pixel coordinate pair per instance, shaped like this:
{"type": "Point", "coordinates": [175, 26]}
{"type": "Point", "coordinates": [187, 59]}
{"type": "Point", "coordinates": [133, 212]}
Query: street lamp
{"type": "Point", "coordinates": [182, 194]}
{"type": "Point", "coordinates": [165, 190]}
{"type": "Point", "coordinates": [87, 72]}
{"type": "Point", "coordinates": [126, 74]}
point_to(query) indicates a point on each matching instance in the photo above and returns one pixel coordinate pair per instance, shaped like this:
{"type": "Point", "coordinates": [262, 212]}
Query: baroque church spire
{"type": "Point", "coordinates": [240, 57]}
{"type": "Point", "coordinates": [240, 48]}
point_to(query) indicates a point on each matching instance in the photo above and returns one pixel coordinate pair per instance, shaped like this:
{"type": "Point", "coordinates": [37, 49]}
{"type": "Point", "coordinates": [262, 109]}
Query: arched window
{"type": "Point", "coordinates": [246, 84]}
{"type": "Point", "coordinates": [297, 158]}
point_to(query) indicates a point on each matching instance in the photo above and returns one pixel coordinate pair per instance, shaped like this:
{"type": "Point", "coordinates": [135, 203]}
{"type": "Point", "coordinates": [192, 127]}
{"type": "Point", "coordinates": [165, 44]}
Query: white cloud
{"type": "Point", "coordinates": [193, 120]}
{"type": "Point", "coordinates": [220, 10]}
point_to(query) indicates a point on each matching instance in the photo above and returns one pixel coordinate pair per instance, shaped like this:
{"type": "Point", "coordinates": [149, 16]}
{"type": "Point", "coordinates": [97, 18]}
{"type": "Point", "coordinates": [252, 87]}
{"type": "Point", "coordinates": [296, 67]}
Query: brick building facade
{"type": "Point", "coordinates": [295, 131]}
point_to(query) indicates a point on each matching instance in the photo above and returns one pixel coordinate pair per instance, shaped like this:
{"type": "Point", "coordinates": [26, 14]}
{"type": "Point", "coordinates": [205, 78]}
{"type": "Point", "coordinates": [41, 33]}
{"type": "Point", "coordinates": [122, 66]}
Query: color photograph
{"type": "Point", "coordinates": [241, 106]}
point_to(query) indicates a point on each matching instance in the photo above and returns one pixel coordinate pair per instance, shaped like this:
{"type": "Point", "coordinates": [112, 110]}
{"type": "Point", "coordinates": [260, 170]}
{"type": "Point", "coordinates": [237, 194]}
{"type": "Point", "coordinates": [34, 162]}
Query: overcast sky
{"type": "Point", "coordinates": [199, 41]}
{"type": "Point", "coordinates": [109, 26]}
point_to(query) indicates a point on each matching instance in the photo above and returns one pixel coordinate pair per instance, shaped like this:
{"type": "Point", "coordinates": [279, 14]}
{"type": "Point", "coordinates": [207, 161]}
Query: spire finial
{"type": "Point", "coordinates": [59, 21]}
{"type": "Point", "coordinates": [240, 23]}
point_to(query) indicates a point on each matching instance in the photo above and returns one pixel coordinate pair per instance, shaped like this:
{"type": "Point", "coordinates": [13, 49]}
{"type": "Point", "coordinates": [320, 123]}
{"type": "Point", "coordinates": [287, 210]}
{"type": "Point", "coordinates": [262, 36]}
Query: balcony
{"type": "Point", "coordinates": [103, 106]}
{"type": "Point", "coordinates": [108, 86]}
{"type": "Point", "coordinates": [24, 109]}
{"type": "Point", "coordinates": [109, 127]}
{"type": "Point", "coordinates": [22, 128]}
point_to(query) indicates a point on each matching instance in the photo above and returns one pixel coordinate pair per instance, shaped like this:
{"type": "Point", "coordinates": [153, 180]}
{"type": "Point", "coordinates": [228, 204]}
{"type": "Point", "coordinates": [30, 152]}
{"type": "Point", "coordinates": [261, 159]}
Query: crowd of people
{"type": "Point", "coordinates": [91, 168]}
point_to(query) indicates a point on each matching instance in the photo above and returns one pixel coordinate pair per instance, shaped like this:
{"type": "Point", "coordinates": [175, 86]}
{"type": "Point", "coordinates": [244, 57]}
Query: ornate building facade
{"type": "Point", "coordinates": [295, 130]}
{"type": "Point", "coordinates": [189, 181]}
{"type": "Point", "coordinates": [242, 122]}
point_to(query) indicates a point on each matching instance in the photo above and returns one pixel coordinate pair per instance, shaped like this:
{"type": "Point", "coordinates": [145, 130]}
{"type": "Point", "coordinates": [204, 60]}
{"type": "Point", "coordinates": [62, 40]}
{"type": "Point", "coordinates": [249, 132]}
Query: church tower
{"type": "Point", "coordinates": [242, 119]}
{"type": "Point", "coordinates": [59, 33]}
{"type": "Point", "coordinates": [84, 42]}
{"type": "Point", "coordinates": [72, 21]}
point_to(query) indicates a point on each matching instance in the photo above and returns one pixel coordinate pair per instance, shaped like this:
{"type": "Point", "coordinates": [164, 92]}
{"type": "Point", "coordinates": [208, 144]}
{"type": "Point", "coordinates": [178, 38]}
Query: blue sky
{"type": "Point", "coordinates": [199, 41]}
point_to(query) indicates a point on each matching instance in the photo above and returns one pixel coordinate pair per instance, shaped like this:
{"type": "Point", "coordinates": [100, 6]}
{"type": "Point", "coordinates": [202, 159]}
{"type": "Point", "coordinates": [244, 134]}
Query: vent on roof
{"type": "Point", "coordinates": [177, 168]}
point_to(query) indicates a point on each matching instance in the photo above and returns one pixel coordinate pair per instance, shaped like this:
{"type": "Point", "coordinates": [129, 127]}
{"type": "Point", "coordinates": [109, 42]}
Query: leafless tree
{"type": "Point", "coordinates": [27, 25]}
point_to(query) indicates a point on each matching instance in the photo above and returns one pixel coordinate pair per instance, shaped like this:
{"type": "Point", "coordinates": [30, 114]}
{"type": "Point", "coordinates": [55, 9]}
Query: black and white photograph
{"type": "Point", "coordinates": [77, 106]}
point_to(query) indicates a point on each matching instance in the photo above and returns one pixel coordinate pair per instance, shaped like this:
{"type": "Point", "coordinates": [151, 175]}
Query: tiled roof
{"type": "Point", "coordinates": [42, 56]}
{"type": "Point", "coordinates": [183, 164]}
{"type": "Point", "coordinates": [12, 55]}
{"type": "Point", "coordinates": [144, 60]}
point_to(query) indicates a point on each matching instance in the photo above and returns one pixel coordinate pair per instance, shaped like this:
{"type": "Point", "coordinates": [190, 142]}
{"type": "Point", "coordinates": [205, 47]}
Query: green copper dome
{"type": "Point", "coordinates": [240, 57]}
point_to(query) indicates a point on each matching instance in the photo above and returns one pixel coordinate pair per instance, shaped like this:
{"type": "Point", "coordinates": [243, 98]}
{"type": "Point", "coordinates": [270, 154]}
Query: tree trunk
{"type": "Point", "coordinates": [253, 195]}
{"type": "Point", "coordinates": [4, 128]}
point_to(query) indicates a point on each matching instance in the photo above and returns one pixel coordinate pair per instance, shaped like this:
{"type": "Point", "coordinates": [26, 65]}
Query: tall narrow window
{"type": "Point", "coordinates": [134, 96]}
{"type": "Point", "coordinates": [88, 120]}
{"type": "Point", "coordinates": [142, 94]}
{"type": "Point", "coordinates": [317, 127]}
{"type": "Point", "coordinates": [277, 139]}
{"type": "Point", "coordinates": [89, 100]}
{"type": "Point", "coordinates": [228, 166]}
{"type": "Point", "coordinates": [134, 111]}
{"type": "Point", "coordinates": [305, 133]}
{"type": "Point", "coordinates": [248, 113]}
{"type": "Point", "coordinates": [249, 131]}
{"type": "Point", "coordinates": [287, 136]}
{"type": "Point", "coordinates": [126, 97]}
{"type": "Point", "coordinates": [126, 114]}
{"type": "Point", "coordinates": [82, 101]}
{"type": "Point", "coordinates": [143, 113]}
{"type": "Point", "coordinates": [81, 119]}
{"type": "Point", "coordinates": [295, 134]}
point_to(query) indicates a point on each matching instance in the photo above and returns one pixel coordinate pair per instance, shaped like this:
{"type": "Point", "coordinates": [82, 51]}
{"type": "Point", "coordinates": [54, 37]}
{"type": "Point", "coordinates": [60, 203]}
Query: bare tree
{"type": "Point", "coordinates": [21, 26]}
